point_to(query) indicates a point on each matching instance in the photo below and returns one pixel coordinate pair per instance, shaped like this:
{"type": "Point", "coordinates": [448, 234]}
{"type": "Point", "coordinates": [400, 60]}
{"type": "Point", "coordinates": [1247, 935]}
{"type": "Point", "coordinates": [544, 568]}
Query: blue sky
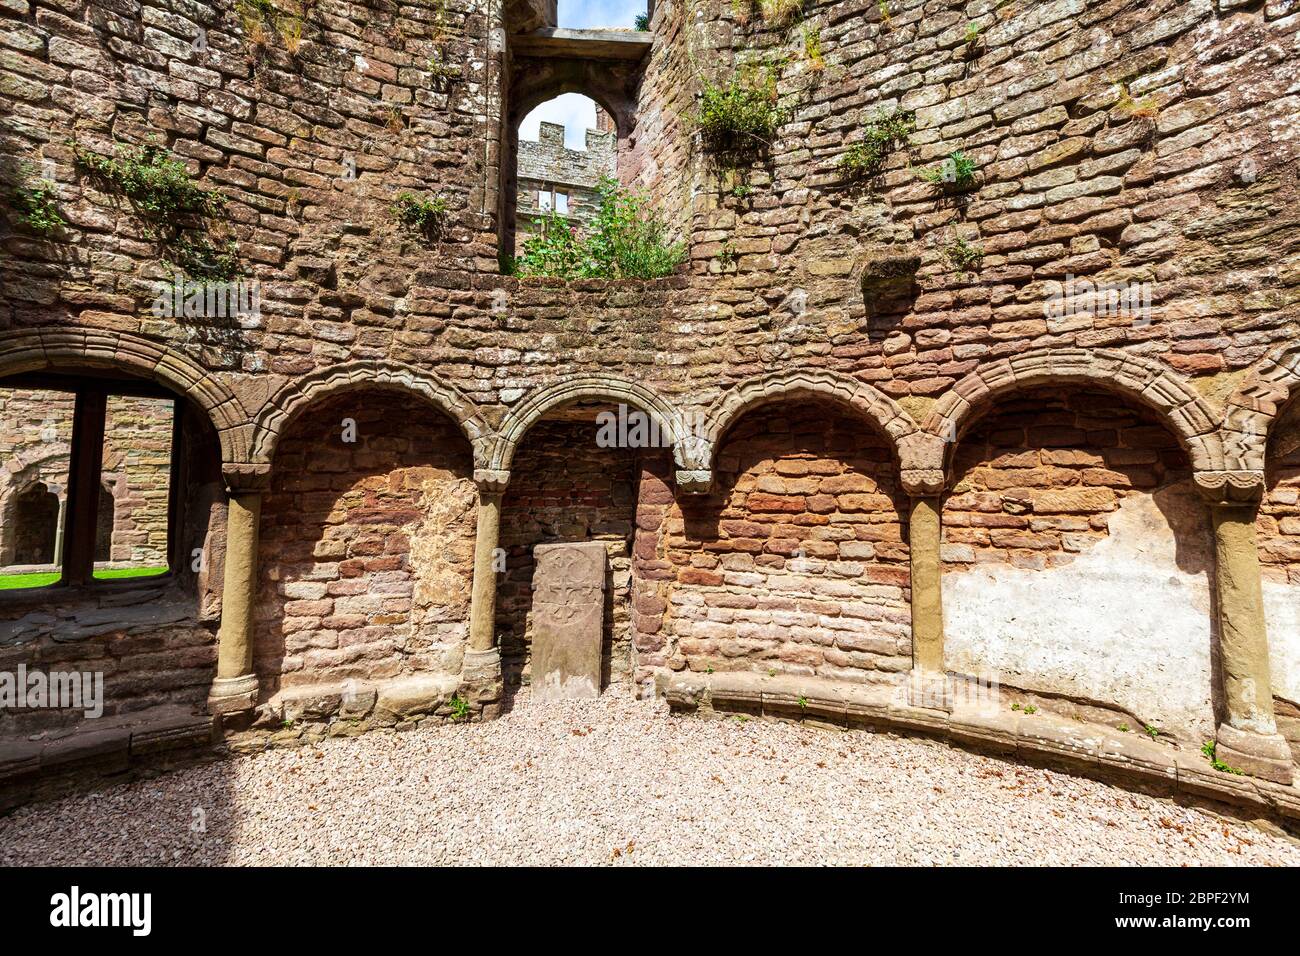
{"type": "Point", "coordinates": [575, 111]}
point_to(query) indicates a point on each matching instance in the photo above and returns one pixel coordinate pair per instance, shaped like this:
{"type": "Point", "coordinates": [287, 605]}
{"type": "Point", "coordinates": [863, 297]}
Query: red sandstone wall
{"type": "Point", "coordinates": [796, 564]}
{"type": "Point", "coordinates": [1037, 480]}
{"type": "Point", "coordinates": [366, 548]}
{"type": "Point", "coordinates": [565, 488]}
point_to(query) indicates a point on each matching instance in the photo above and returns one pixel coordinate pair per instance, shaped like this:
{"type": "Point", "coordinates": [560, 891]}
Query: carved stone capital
{"type": "Point", "coordinates": [491, 481]}
{"type": "Point", "coordinates": [922, 482]}
{"type": "Point", "coordinates": [1230, 487]}
{"type": "Point", "coordinates": [246, 477]}
{"type": "Point", "coordinates": [694, 482]}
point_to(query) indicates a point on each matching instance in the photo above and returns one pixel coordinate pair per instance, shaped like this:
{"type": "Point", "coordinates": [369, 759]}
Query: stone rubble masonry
{"type": "Point", "coordinates": [1146, 144]}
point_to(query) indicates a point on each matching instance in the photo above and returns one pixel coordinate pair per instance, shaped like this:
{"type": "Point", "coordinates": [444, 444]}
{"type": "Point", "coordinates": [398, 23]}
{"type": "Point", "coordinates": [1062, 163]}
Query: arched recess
{"type": "Point", "coordinates": [1254, 407]}
{"type": "Point", "coordinates": [82, 349]}
{"type": "Point", "coordinates": [918, 455]}
{"type": "Point", "coordinates": [609, 388]}
{"type": "Point", "coordinates": [32, 519]}
{"type": "Point", "coordinates": [1187, 414]}
{"type": "Point", "coordinates": [301, 393]}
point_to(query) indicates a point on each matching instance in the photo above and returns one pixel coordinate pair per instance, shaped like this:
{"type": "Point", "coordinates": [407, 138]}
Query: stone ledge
{"type": "Point", "coordinates": [1085, 749]}
{"type": "Point", "coordinates": [114, 750]}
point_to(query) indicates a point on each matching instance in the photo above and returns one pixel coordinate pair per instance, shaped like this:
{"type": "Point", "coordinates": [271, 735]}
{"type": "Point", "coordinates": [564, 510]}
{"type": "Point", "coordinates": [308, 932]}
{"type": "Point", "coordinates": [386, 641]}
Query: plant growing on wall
{"type": "Point", "coordinates": [812, 49]}
{"type": "Point", "coordinates": [962, 256]}
{"type": "Point", "coordinates": [173, 208]}
{"type": "Point", "coordinates": [36, 202]}
{"type": "Point", "coordinates": [956, 173]}
{"type": "Point", "coordinates": [428, 217]}
{"type": "Point", "coordinates": [738, 119]}
{"type": "Point", "coordinates": [627, 240]}
{"type": "Point", "coordinates": [261, 18]}
{"type": "Point", "coordinates": [864, 159]}
{"type": "Point", "coordinates": [780, 13]}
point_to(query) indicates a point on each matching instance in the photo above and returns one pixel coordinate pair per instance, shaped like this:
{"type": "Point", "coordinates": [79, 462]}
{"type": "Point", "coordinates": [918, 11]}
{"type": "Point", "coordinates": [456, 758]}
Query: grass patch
{"type": "Point", "coordinates": [112, 574]}
{"type": "Point", "coordinates": [11, 582]}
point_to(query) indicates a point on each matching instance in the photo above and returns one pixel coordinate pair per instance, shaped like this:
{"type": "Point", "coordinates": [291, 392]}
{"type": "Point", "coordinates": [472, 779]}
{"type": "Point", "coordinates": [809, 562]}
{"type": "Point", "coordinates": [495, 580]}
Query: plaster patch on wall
{"type": "Point", "coordinates": [1126, 623]}
{"type": "Point", "coordinates": [1282, 612]}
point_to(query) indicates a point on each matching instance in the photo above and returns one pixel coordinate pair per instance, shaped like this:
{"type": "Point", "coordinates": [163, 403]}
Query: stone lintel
{"type": "Point", "coordinates": [583, 44]}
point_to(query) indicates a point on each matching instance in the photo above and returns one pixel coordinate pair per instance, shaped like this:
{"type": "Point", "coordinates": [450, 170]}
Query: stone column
{"type": "Point", "coordinates": [481, 672]}
{"type": "Point", "coordinates": [235, 688]}
{"type": "Point", "coordinates": [1247, 737]}
{"type": "Point", "coordinates": [928, 686]}
{"type": "Point", "coordinates": [921, 463]}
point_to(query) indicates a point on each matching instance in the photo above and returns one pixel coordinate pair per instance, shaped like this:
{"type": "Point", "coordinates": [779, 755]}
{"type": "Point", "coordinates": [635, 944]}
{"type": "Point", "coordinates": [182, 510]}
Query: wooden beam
{"type": "Point", "coordinates": [583, 44]}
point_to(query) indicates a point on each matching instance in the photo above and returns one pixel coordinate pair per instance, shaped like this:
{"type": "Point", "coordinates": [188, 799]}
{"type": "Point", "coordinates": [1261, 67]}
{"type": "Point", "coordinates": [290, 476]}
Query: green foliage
{"type": "Point", "coordinates": [428, 217]}
{"type": "Point", "coordinates": [803, 702]}
{"type": "Point", "coordinates": [727, 255]}
{"type": "Point", "coordinates": [957, 172]}
{"type": "Point", "coordinates": [739, 118]}
{"type": "Point", "coordinates": [973, 34]}
{"type": "Point", "coordinates": [199, 258]}
{"type": "Point", "coordinates": [1209, 749]}
{"type": "Point", "coordinates": [864, 159]}
{"type": "Point", "coordinates": [1152, 732]}
{"type": "Point", "coordinates": [159, 187]}
{"type": "Point", "coordinates": [36, 204]}
{"type": "Point", "coordinates": [642, 21]}
{"type": "Point", "coordinates": [812, 49]}
{"type": "Point", "coordinates": [627, 240]}
{"type": "Point", "coordinates": [171, 206]}
{"type": "Point", "coordinates": [1123, 728]}
{"type": "Point", "coordinates": [963, 256]}
{"type": "Point", "coordinates": [459, 709]}
{"type": "Point", "coordinates": [780, 13]}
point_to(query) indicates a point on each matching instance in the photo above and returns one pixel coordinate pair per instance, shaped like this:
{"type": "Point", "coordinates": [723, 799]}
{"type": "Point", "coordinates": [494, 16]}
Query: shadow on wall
{"type": "Point", "coordinates": [564, 487]}
{"type": "Point", "coordinates": [367, 543]}
{"type": "Point", "coordinates": [798, 561]}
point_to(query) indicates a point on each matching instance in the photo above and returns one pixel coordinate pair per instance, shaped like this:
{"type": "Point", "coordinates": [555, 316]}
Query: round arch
{"type": "Point", "coordinates": [325, 383]}
{"type": "Point", "coordinates": [66, 350]}
{"type": "Point", "coordinates": [528, 412]}
{"type": "Point", "coordinates": [1256, 404]}
{"type": "Point", "coordinates": [1152, 384]}
{"type": "Point", "coordinates": [918, 455]}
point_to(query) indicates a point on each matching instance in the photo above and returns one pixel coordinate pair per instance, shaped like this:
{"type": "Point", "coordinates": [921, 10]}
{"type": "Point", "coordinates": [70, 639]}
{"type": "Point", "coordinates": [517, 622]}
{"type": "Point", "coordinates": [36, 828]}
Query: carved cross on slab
{"type": "Point", "coordinates": [568, 619]}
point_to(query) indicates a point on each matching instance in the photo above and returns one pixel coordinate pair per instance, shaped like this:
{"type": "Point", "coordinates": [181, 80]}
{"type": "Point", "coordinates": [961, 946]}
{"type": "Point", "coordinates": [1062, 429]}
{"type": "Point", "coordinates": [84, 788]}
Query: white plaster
{"type": "Point", "coordinates": [1122, 624]}
{"type": "Point", "coordinates": [1282, 619]}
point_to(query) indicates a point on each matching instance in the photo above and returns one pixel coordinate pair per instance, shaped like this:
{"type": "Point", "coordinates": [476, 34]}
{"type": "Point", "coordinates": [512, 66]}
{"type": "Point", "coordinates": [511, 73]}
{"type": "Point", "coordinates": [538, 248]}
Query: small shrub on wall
{"type": "Point", "coordinates": [738, 119]}
{"type": "Point", "coordinates": [627, 240]}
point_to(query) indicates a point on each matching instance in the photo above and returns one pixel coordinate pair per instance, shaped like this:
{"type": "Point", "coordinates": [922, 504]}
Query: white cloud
{"type": "Point", "coordinates": [580, 14]}
{"type": "Point", "coordinates": [576, 112]}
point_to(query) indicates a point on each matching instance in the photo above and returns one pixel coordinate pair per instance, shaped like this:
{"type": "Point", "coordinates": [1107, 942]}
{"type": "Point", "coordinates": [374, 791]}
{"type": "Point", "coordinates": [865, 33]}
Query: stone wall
{"type": "Point", "coordinates": [1078, 560]}
{"type": "Point", "coordinates": [568, 489]}
{"type": "Point", "coordinates": [798, 563]}
{"type": "Point", "coordinates": [366, 546]}
{"type": "Point", "coordinates": [1114, 142]}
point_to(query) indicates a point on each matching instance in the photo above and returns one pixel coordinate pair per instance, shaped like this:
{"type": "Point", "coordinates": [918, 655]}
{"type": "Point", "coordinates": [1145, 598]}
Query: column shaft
{"type": "Point", "coordinates": [927, 590]}
{"type": "Point", "coordinates": [236, 686]}
{"type": "Point", "coordinates": [483, 598]}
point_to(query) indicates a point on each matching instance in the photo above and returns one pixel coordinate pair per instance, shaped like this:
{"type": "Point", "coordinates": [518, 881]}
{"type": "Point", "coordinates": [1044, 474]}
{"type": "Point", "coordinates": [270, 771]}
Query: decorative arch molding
{"type": "Point", "coordinates": [1249, 414]}
{"type": "Point", "coordinates": [920, 456]}
{"type": "Point", "coordinates": [1149, 382]}
{"type": "Point", "coordinates": [301, 393]}
{"type": "Point", "coordinates": [74, 350]}
{"type": "Point", "coordinates": [528, 412]}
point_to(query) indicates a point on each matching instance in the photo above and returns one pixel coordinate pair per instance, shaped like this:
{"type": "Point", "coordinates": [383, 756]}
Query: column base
{"type": "Point", "coordinates": [481, 681]}
{"type": "Point", "coordinates": [930, 690]}
{"type": "Point", "coordinates": [1265, 756]}
{"type": "Point", "coordinates": [230, 695]}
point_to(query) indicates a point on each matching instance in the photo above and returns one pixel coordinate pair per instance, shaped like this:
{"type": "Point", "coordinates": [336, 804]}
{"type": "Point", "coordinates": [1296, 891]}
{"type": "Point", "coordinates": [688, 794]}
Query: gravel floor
{"type": "Point", "coordinates": [618, 781]}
